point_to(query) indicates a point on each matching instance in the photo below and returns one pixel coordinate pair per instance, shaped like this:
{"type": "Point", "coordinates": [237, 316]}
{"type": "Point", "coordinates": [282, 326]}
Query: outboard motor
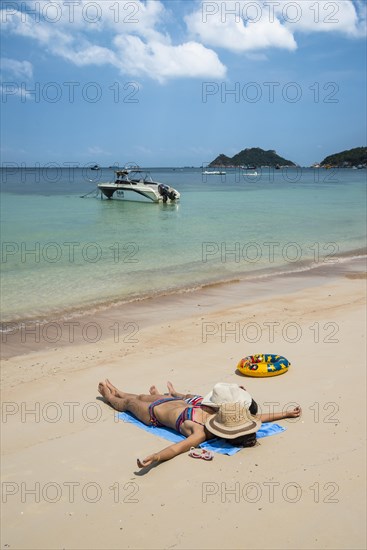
{"type": "Point", "coordinates": [172, 194]}
{"type": "Point", "coordinates": [166, 192]}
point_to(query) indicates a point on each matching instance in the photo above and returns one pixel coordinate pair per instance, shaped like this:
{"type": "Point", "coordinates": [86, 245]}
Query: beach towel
{"type": "Point", "coordinates": [217, 445]}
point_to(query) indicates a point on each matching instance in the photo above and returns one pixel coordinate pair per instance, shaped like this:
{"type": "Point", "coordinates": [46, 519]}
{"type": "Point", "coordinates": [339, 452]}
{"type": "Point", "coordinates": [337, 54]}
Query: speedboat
{"type": "Point", "coordinates": [135, 184]}
{"type": "Point", "coordinates": [95, 167]}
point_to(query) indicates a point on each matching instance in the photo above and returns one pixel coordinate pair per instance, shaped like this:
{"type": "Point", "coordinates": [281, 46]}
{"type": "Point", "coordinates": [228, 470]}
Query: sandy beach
{"type": "Point", "coordinates": [183, 185]}
{"type": "Point", "coordinates": [69, 474]}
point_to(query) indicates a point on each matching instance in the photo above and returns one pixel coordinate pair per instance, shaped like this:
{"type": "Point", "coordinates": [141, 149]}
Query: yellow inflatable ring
{"type": "Point", "coordinates": [265, 364]}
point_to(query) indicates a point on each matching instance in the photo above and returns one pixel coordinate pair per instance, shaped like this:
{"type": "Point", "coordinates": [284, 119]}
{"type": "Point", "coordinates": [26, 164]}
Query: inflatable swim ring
{"type": "Point", "coordinates": [265, 364]}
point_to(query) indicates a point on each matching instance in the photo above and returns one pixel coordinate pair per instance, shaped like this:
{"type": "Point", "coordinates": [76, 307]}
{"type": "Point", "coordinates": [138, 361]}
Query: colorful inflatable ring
{"type": "Point", "coordinates": [263, 365]}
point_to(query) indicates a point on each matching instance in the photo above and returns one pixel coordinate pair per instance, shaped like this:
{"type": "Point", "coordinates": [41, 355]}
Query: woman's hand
{"type": "Point", "coordinates": [294, 413]}
{"type": "Point", "coordinates": [196, 436]}
{"type": "Point", "coordinates": [148, 461]}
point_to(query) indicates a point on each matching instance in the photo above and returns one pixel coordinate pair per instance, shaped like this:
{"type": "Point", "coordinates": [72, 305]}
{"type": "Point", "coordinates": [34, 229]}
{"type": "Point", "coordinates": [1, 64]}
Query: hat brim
{"type": "Point", "coordinates": [251, 425]}
{"type": "Point", "coordinates": [207, 401]}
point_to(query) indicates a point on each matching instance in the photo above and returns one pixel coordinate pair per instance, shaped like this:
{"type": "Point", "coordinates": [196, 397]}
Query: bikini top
{"type": "Point", "coordinates": [187, 414]}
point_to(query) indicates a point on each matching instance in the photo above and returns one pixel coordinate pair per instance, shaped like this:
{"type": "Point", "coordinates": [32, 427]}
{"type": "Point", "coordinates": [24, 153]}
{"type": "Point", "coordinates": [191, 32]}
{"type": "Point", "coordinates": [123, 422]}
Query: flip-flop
{"type": "Point", "coordinates": [195, 453]}
{"type": "Point", "coordinates": [201, 453]}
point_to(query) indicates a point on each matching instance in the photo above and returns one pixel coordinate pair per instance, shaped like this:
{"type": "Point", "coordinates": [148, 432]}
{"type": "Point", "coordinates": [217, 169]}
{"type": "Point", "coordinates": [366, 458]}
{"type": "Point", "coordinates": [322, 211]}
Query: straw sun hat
{"type": "Point", "coordinates": [232, 420]}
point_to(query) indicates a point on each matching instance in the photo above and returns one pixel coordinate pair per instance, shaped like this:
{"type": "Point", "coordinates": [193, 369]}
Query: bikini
{"type": "Point", "coordinates": [186, 414]}
{"type": "Point", "coordinates": [153, 419]}
{"type": "Point", "coordinates": [195, 400]}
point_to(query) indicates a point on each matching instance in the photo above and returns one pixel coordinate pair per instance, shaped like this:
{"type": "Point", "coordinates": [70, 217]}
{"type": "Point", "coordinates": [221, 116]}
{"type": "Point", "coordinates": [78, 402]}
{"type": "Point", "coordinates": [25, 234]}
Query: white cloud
{"type": "Point", "coordinates": [135, 45]}
{"type": "Point", "coordinates": [325, 16]}
{"type": "Point", "coordinates": [162, 61]}
{"type": "Point", "coordinates": [227, 29]}
{"type": "Point", "coordinates": [120, 16]}
{"type": "Point", "coordinates": [17, 69]}
{"type": "Point", "coordinates": [243, 26]}
{"type": "Point", "coordinates": [9, 89]}
{"type": "Point", "coordinates": [87, 54]}
{"type": "Point", "coordinates": [22, 24]}
{"type": "Point", "coordinates": [133, 36]}
{"type": "Point", "coordinates": [96, 150]}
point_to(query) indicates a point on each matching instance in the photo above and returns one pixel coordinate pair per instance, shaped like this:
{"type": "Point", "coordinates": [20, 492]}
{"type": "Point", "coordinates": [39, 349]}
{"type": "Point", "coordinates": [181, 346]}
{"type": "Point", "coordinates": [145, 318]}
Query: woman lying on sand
{"type": "Point", "coordinates": [197, 422]}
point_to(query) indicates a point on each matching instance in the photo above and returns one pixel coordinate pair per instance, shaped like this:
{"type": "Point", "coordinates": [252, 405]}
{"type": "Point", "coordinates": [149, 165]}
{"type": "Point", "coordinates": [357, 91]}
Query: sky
{"type": "Point", "coordinates": [178, 82]}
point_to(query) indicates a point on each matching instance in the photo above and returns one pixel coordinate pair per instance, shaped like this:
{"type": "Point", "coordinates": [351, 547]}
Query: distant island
{"type": "Point", "coordinates": [252, 158]}
{"type": "Point", "coordinates": [347, 159]}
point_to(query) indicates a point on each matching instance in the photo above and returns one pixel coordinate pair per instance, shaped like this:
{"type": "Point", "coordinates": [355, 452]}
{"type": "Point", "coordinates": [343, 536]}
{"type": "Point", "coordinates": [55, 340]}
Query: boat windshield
{"type": "Point", "coordinates": [135, 176]}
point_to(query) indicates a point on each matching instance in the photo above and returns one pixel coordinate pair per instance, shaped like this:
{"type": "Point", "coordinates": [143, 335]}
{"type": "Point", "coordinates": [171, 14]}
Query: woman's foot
{"type": "Point", "coordinates": [104, 390]}
{"type": "Point", "coordinates": [112, 388]}
{"type": "Point", "coordinates": [171, 389]}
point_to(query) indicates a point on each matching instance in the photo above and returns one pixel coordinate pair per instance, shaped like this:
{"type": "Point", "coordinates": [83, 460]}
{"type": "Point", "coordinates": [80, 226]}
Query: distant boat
{"type": "Point", "coordinates": [95, 167]}
{"type": "Point", "coordinates": [277, 167]}
{"type": "Point", "coordinates": [251, 173]}
{"type": "Point", "coordinates": [214, 172]}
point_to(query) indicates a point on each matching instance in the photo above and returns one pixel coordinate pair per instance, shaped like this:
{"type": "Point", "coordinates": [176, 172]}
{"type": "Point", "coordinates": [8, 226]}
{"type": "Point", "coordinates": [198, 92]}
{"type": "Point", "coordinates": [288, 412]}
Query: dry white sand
{"type": "Point", "coordinates": [69, 474]}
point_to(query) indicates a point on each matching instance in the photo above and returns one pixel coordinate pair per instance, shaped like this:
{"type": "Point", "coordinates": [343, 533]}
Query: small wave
{"type": "Point", "coordinates": [68, 314]}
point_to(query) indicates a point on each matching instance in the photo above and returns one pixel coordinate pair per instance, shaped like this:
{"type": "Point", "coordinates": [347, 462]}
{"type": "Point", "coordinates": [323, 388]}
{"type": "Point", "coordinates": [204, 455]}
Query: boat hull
{"type": "Point", "coordinates": [124, 193]}
{"type": "Point", "coordinates": [137, 185]}
{"type": "Point", "coordinates": [132, 193]}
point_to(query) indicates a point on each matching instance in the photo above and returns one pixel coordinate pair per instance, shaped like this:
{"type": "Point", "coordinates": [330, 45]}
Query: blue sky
{"type": "Point", "coordinates": [175, 83]}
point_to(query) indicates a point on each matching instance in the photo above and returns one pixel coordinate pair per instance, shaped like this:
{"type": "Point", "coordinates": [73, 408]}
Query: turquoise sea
{"type": "Point", "coordinates": [63, 254]}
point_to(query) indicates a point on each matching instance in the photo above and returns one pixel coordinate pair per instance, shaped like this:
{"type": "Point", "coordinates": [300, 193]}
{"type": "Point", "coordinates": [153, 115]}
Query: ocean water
{"type": "Point", "coordinates": [62, 254]}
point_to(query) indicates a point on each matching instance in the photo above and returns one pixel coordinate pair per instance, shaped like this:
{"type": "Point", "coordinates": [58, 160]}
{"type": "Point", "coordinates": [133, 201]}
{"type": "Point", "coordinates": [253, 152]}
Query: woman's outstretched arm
{"type": "Point", "coordinates": [197, 437]}
{"type": "Point", "coordinates": [271, 417]}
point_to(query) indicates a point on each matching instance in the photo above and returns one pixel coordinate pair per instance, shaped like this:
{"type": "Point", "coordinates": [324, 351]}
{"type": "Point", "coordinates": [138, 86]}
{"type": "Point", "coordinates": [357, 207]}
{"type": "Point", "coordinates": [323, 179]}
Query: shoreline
{"type": "Point", "coordinates": [124, 320]}
{"type": "Point", "coordinates": [342, 263]}
{"type": "Point", "coordinates": [121, 326]}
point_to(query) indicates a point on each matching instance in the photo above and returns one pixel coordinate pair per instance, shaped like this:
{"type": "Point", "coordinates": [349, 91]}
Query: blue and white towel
{"type": "Point", "coordinates": [217, 445]}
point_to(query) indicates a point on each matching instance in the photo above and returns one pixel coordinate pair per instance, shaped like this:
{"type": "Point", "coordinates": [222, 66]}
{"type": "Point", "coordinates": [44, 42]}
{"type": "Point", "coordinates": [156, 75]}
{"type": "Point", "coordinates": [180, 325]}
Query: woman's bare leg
{"type": "Point", "coordinates": [117, 392]}
{"type": "Point", "coordinates": [138, 405]}
{"type": "Point", "coordinates": [172, 390]}
{"type": "Point", "coordinates": [175, 393]}
{"type": "Point", "coordinates": [117, 402]}
{"type": "Point", "coordinates": [153, 391]}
